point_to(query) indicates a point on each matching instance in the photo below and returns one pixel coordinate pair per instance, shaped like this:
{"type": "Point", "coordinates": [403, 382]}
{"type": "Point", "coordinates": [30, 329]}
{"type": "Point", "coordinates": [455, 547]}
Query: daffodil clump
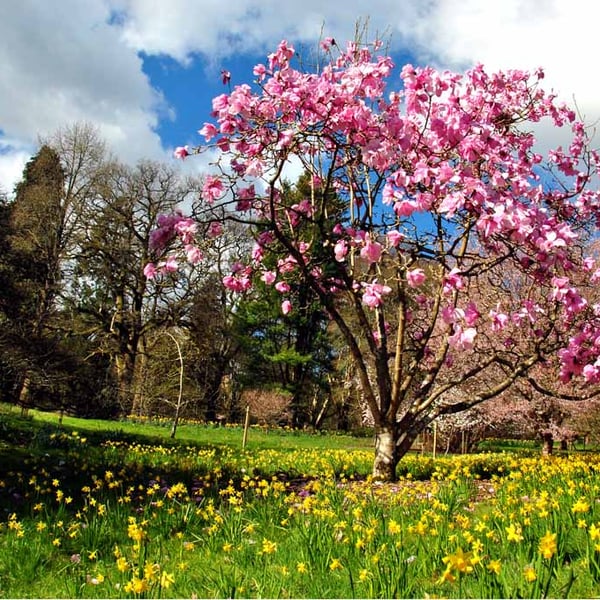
{"type": "Point", "coordinates": [133, 520]}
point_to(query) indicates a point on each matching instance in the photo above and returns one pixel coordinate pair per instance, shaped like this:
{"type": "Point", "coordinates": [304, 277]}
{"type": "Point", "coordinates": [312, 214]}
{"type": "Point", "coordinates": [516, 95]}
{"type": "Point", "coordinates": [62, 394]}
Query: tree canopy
{"type": "Point", "coordinates": [445, 190]}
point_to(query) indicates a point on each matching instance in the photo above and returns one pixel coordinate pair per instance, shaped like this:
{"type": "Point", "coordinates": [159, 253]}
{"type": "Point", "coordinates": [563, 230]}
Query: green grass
{"type": "Point", "coordinates": [259, 438]}
{"type": "Point", "coordinates": [98, 509]}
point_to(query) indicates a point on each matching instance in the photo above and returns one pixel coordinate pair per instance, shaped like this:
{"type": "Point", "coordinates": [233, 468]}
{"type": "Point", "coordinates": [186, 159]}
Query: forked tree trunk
{"type": "Point", "coordinates": [386, 453]}
{"type": "Point", "coordinates": [392, 442]}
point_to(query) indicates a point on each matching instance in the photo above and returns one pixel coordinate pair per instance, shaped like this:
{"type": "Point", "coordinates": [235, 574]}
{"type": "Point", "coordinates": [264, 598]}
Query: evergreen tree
{"type": "Point", "coordinates": [291, 351]}
{"type": "Point", "coordinates": [35, 250]}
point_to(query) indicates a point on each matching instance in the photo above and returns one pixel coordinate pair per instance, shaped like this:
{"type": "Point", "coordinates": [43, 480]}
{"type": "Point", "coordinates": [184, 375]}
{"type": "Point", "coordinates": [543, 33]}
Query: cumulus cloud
{"type": "Point", "coordinates": [519, 34]}
{"type": "Point", "coordinates": [62, 62]}
{"type": "Point", "coordinates": [13, 156]}
{"type": "Point", "coordinates": [525, 34]}
{"type": "Point", "coordinates": [216, 28]}
{"type": "Point", "coordinates": [69, 60]}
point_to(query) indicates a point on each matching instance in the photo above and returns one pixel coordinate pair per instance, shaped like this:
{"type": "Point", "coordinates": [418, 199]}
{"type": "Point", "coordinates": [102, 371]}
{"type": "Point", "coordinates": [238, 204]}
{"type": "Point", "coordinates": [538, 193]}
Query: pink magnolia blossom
{"type": "Point", "coordinates": [327, 43]}
{"type": "Point", "coordinates": [303, 247]}
{"type": "Point", "coordinates": [451, 314]}
{"type": "Point", "coordinates": [209, 131]}
{"type": "Point", "coordinates": [373, 294]}
{"type": "Point", "coordinates": [269, 277]}
{"type": "Point", "coordinates": [304, 208]}
{"type": "Point", "coordinates": [181, 152]}
{"type": "Point", "coordinates": [285, 138]}
{"type": "Point", "coordinates": [258, 253]}
{"type": "Point", "coordinates": [422, 300]}
{"type": "Point", "coordinates": [340, 250]}
{"type": "Point", "coordinates": [160, 237]}
{"type": "Point", "coordinates": [246, 197]}
{"type": "Point", "coordinates": [588, 263]}
{"type": "Point", "coordinates": [168, 229]}
{"type": "Point", "coordinates": [254, 167]}
{"type": "Point", "coordinates": [462, 339]}
{"type": "Point", "coordinates": [405, 208]}
{"type": "Point", "coordinates": [415, 277]}
{"type": "Point", "coordinates": [237, 283]}
{"type": "Point", "coordinates": [170, 265]}
{"type": "Point", "coordinates": [265, 238]}
{"type": "Point", "coordinates": [194, 254]}
{"type": "Point", "coordinates": [287, 265]}
{"type": "Point", "coordinates": [371, 251]}
{"type": "Point", "coordinates": [550, 240]}
{"type": "Point", "coordinates": [453, 281]}
{"type": "Point", "coordinates": [260, 71]}
{"type": "Point", "coordinates": [591, 373]}
{"type": "Point", "coordinates": [150, 271]}
{"type": "Point", "coordinates": [574, 302]}
{"type": "Point", "coordinates": [471, 314]}
{"type": "Point", "coordinates": [281, 57]}
{"type": "Point", "coordinates": [186, 229]}
{"type": "Point", "coordinates": [212, 189]}
{"type": "Point", "coordinates": [394, 237]}
{"type": "Point", "coordinates": [282, 287]}
{"type": "Point", "coordinates": [215, 229]}
{"type": "Point", "coordinates": [529, 310]}
{"type": "Point", "coordinates": [286, 307]}
{"type": "Point", "coordinates": [570, 365]}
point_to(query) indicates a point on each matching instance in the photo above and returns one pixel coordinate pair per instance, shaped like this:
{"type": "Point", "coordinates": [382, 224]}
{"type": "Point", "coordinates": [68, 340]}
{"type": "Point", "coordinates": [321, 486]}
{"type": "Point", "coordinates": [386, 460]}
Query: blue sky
{"type": "Point", "coordinates": [145, 71]}
{"type": "Point", "coordinates": [190, 88]}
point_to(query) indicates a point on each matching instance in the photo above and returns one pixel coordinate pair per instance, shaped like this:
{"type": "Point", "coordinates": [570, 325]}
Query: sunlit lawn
{"type": "Point", "coordinates": [230, 435]}
{"type": "Point", "coordinates": [92, 512]}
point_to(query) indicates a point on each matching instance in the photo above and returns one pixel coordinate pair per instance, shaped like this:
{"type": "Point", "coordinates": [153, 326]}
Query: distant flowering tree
{"type": "Point", "coordinates": [521, 413]}
{"type": "Point", "coordinates": [442, 187]}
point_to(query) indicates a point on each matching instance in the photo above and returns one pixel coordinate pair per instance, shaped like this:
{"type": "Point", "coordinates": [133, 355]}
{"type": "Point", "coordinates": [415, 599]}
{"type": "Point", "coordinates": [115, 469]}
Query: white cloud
{"type": "Point", "coordinates": [62, 63]}
{"type": "Point", "coordinates": [13, 157]}
{"type": "Point", "coordinates": [219, 28]}
{"type": "Point", "coordinates": [69, 60]}
{"type": "Point", "coordinates": [559, 36]}
{"type": "Point", "coordinates": [523, 34]}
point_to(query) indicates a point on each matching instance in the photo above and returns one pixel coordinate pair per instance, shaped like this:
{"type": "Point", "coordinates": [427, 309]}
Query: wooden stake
{"type": "Point", "coordinates": [246, 426]}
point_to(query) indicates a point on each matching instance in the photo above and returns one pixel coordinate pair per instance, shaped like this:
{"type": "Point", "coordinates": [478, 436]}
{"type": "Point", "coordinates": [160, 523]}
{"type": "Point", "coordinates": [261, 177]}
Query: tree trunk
{"type": "Point", "coordinates": [175, 422]}
{"type": "Point", "coordinates": [138, 390]}
{"type": "Point", "coordinates": [215, 385]}
{"type": "Point", "coordinates": [124, 375]}
{"type": "Point", "coordinates": [547, 444]}
{"type": "Point", "coordinates": [212, 396]}
{"type": "Point", "coordinates": [386, 453]}
{"type": "Point", "coordinates": [392, 442]}
{"type": "Point", "coordinates": [25, 395]}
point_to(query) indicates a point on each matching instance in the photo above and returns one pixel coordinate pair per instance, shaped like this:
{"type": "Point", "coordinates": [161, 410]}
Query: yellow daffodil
{"type": "Point", "coordinates": [529, 574]}
{"type": "Point", "coordinates": [547, 546]}
{"type": "Point", "coordinates": [513, 533]}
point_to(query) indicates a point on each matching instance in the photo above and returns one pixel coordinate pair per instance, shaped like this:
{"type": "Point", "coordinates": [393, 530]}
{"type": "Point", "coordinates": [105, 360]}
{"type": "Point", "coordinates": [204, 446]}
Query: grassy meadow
{"type": "Point", "coordinates": [98, 510]}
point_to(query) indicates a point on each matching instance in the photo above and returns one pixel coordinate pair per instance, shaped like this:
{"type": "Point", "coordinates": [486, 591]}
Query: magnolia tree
{"type": "Point", "coordinates": [438, 185]}
{"type": "Point", "coordinates": [518, 414]}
